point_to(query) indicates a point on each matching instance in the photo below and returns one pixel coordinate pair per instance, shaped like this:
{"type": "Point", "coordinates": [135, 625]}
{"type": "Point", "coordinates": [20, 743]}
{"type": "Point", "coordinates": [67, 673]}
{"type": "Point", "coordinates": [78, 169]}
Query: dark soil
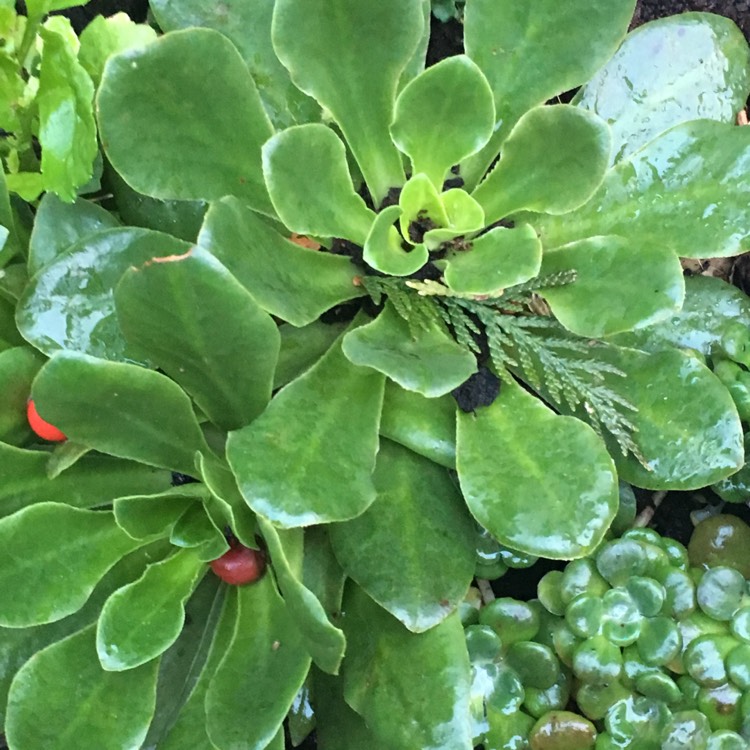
{"type": "Point", "coordinates": [737, 10]}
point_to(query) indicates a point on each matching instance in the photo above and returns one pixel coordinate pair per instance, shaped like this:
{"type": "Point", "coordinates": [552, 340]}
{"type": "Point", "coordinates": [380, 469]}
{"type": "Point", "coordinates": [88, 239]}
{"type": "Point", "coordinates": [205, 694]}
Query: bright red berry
{"type": "Point", "coordinates": [240, 565]}
{"type": "Point", "coordinates": [42, 428]}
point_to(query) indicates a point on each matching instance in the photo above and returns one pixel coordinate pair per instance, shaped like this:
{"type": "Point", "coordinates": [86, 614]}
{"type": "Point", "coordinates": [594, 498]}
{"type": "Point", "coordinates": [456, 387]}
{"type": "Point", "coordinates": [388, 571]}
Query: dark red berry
{"type": "Point", "coordinates": [240, 565]}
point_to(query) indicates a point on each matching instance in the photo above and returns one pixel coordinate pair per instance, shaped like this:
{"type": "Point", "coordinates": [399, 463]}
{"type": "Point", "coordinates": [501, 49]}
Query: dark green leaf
{"type": "Point", "coordinates": [145, 516]}
{"type": "Point", "coordinates": [302, 347]}
{"type": "Point", "coordinates": [18, 366]}
{"type": "Point", "coordinates": [195, 528]}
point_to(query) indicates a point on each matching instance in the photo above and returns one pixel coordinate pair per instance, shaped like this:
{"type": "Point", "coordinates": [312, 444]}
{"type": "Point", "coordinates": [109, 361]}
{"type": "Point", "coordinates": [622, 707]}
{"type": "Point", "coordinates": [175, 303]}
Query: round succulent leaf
{"type": "Point", "coordinates": [442, 116]}
{"type": "Point", "coordinates": [649, 84]}
{"type": "Point", "coordinates": [384, 250]}
{"type": "Point", "coordinates": [291, 282]}
{"type": "Point", "coordinates": [618, 285]}
{"type": "Point", "coordinates": [465, 216]}
{"type": "Point", "coordinates": [310, 186]}
{"type": "Point", "coordinates": [202, 328]}
{"type": "Point", "coordinates": [494, 261]}
{"type": "Point", "coordinates": [143, 619]}
{"type": "Point", "coordinates": [552, 162]}
{"type": "Point", "coordinates": [206, 120]}
{"type": "Point", "coordinates": [308, 460]}
{"type": "Point", "coordinates": [421, 580]}
{"type": "Point", "coordinates": [79, 545]}
{"type": "Point", "coordinates": [385, 662]}
{"type": "Point", "coordinates": [70, 303]}
{"type": "Point", "coordinates": [424, 359]}
{"type": "Point", "coordinates": [531, 55]}
{"type": "Point", "coordinates": [139, 414]}
{"type": "Point", "coordinates": [685, 190]}
{"type": "Point", "coordinates": [350, 57]}
{"type": "Point", "coordinates": [248, 26]}
{"type": "Point", "coordinates": [420, 201]}
{"type": "Point", "coordinates": [62, 698]}
{"type": "Point", "coordinates": [507, 474]}
{"type": "Point", "coordinates": [256, 681]}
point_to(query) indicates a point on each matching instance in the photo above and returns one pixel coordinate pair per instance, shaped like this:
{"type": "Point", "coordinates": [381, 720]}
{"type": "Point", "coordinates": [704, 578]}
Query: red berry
{"type": "Point", "coordinates": [240, 565]}
{"type": "Point", "coordinates": [43, 429]}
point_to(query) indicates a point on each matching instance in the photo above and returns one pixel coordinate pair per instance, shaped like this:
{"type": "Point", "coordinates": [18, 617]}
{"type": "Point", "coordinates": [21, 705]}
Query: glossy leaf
{"type": "Point", "coordinates": [263, 668]}
{"type": "Point", "coordinates": [425, 426]}
{"type": "Point", "coordinates": [120, 409]}
{"type": "Point", "coordinates": [426, 360]}
{"type": "Point", "coordinates": [67, 130]}
{"type": "Point", "coordinates": [286, 280]}
{"type": "Point", "coordinates": [309, 460]}
{"type": "Point", "coordinates": [530, 54]}
{"type": "Point", "coordinates": [327, 47]}
{"type": "Point", "coordinates": [52, 557]}
{"type": "Point", "coordinates": [105, 711]}
{"type": "Point", "coordinates": [649, 84]}
{"type": "Point", "coordinates": [667, 193]}
{"type": "Point", "coordinates": [421, 578]}
{"type": "Point", "coordinates": [197, 323]}
{"type": "Point", "coordinates": [18, 366]}
{"type": "Point", "coordinates": [248, 26]}
{"type": "Point", "coordinates": [310, 186]}
{"type": "Point", "coordinates": [70, 303]}
{"type": "Point", "coordinates": [553, 161]}
{"type": "Point", "coordinates": [145, 516]}
{"type": "Point", "coordinates": [506, 454]}
{"type": "Point", "coordinates": [58, 225]}
{"type": "Point", "coordinates": [442, 116]}
{"type": "Point", "coordinates": [302, 347]}
{"type": "Point", "coordinates": [611, 291]}
{"type": "Point", "coordinates": [143, 619]}
{"type": "Point", "coordinates": [322, 640]}
{"type": "Point", "coordinates": [384, 250]}
{"type": "Point", "coordinates": [205, 130]}
{"type": "Point", "coordinates": [386, 662]}
{"type": "Point", "coordinates": [93, 480]}
{"type": "Point", "coordinates": [497, 259]}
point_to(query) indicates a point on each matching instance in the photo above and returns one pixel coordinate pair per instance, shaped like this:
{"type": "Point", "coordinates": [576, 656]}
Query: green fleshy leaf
{"type": "Point", "coordinates": [420, 580]}
{"type": "Point", "coordinates": [204, 330]}
{"type": "Point", "coordinates": [37, 8]}
{"type": "Point", "coordinates": [248, 26]}
{"type": "Point", "coordinates": [321, 572]}
{"type": "Point", "coordinates": [386, 662]}
{"type": "Point", "coordinates": [104, 37]}
{"type": "Point", "coordinates": [420, 199]}
{"type": "Point", "coordinates": [465, 216]}
{"type": "Point", "coordinates": [497, 259]}
{"type": "Point", "coordinates": [206, 130]}
{"type": "Point", "coordinates": [303, 347]}
{"type": "Point", "coordinates": [120, 409]}
{"type": "Point", "coordinates": [331, 50]}
{"type": "Point", "coordinates": [444, 115]}
{"type": "Point", "coordinates": [553, 161]}
{"type": "Point", "coordinates": [105, 711]}
{"type": "Point", "coordinates": [52, 557]}
{"type": "Point", "coordinates": [65, 455]}
{"type": "Point", "coordinates": [322, 640]}
{"type": "Point", "coordinates": [70, 303]}
{"type": "Point", "coordinates": [529, 54]}
{"type": "Point", "coordinates": [426, 360]}
{"type": "Point", "coordinates": [93, 480]}
{"type": "Point", "coordinates": [13, 242]}
{"type": "Point", "coordinates": [146, 516]}
{"type": "Point", "coordinates": [649, 84]}
{"type": "Point", "coordinates": [506, 454]}
{"type": "Point", "coordinates": [383, 249]}
{"type": "Point", "coordinates": [58, 225]}
{"type": "Point", "coordinates": [613, 292]}
{"type": "Point", "coordinates": [685, 190]}
{"type": "Point", "coordinates": [286, 280]}
{"type": "Point", "coordinates": [143, 619]}
{"type": "Point", "coordinates": [263, 668]}
{"type": "Point", "coordinates": [67, 130]}
{"type": "Point", "coordinates": [425, 426]}
{"type": "Point", "coordinates": [197, 530]}
{"type": "Point", "coordinates": [310, 186]}
{"type": "Point", "coordinates": [18, 367]}
{"type": "Point", "coordinates": [308, 460]}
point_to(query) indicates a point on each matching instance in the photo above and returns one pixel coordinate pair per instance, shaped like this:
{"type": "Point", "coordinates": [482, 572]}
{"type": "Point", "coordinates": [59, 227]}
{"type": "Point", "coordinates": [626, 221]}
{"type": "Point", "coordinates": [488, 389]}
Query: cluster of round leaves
{"type": "Point", "coordinates": [653, 648]}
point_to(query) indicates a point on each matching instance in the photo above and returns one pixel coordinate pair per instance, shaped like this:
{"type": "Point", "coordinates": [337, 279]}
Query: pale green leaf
{"type": "Point", "coordinates": [384, 250]}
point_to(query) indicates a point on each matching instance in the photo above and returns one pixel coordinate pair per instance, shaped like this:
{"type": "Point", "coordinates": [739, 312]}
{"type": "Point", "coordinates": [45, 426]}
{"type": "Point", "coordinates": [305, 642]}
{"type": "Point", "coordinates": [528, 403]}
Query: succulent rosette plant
{"type": "Point", "coordinates": [475, 246]}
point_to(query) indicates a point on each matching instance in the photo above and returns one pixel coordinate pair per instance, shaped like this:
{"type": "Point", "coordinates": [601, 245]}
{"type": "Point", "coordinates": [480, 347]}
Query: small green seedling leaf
{"type": "Point", "coordinates": [420, 201]}
{"type": "Point", "coordinates": [143, 619]}
{"type": "Point", "coordinates": [426, 360]}
{"type": "Point", "coordinates": [52, 557]}
{"type": "Point", "coordinates": [310, 186]}
{"type": "Point", "coordinates": [384, 250]}
{"type": "Point", "coordinates": [442, 116]}
{"type": "Point", "coordinates": [553, 161]}
{"type": "Point", "coordinates": [465, 216]}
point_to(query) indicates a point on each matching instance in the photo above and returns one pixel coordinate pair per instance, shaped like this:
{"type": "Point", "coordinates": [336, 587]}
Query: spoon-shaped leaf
{"type": "Point", "coordinates": [384, 250]}
{"type": "Point", "coordinates": [506, 455]}
{"type": "Point", "coordinates": [444, 115]}
{"type": "Point", "coordinates": [465, 216]}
